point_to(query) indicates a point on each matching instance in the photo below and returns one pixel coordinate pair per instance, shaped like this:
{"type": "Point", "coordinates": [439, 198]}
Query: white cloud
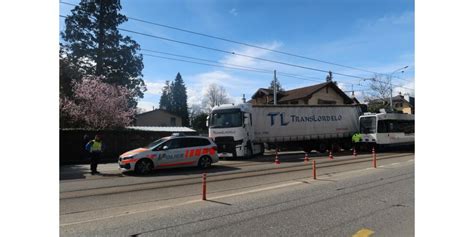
{"type": "Point", "coordinates": [146, 105]}
{"type": "Point", "coordinates": [154, 88]}
{"type": "Point", "coordinates": [407, 87]}
{"type": "Point", "coordinates": [234, 86]}
{"type": "Point", "coordinates": [233, 11]}
{"type": "Point", "coordinates": [250, 51]}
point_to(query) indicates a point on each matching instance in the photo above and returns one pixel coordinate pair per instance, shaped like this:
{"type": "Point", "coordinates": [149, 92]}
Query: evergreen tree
{"type": "Point", "coordinates": [166, 100]}
{"type": "Point", "coordinates": [179, 99]}
{"type": "Point", "coordinates": [278, 86]}
{"type": "Point", "coordinates": [97, 47]}
{"type": "Point", "coordinates": [68, 74]}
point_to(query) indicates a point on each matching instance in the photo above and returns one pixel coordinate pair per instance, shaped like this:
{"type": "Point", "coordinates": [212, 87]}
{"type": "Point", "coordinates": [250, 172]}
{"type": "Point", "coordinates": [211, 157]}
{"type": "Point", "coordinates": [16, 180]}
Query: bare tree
{"type": "Point", "coordinates": [194, 110]}
{"type": "Point", "coordinates": [379, 88]}
{"type": "Point", "coordinates": [215, 95]}
{"type": "Point", "coordinates": [379, 94]}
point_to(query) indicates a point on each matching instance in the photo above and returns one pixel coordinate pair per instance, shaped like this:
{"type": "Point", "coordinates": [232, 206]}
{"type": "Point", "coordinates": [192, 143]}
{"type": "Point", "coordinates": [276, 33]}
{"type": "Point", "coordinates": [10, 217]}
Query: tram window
{"type": "Point", "coordinates": [407, 126]}
{"type": "Point", "coordinates": [382, 126]}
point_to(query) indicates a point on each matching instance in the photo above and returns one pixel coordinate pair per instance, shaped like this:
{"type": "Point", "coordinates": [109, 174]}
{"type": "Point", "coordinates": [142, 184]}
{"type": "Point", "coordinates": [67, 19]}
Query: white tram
{"type": "Point", "coordinates": [387, 129]}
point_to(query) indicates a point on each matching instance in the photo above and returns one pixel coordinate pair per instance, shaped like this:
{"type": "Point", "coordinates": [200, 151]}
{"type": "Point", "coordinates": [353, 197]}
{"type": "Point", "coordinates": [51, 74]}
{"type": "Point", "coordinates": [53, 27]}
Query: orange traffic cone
{"type": "Point", "coordinates": [306, 159]}
{"type": "Point", "coordinates": [330, 155]}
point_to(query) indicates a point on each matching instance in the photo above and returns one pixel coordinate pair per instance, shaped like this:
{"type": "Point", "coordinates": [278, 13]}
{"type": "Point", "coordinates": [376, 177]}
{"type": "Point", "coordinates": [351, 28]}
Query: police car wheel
{"type": "Point", "coordinates": [204, 162]}
{"type": "Point", "coordinates": [143, 167]}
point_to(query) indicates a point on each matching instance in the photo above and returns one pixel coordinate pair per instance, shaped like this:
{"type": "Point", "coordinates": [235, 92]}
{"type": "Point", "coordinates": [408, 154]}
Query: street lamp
{"type": "Point", "coordinates": [390, 81]}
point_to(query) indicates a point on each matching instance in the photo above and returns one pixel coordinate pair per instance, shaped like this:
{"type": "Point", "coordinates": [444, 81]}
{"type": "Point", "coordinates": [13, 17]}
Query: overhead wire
{"type": "Point", "coordinates": [238, 42]}
{"type": "Point", "coordinates": [247, 56]}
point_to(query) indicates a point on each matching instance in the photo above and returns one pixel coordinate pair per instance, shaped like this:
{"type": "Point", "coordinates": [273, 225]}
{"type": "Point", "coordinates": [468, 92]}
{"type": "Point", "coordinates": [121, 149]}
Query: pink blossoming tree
{"type": "Point", "coordinates": [98, 105]}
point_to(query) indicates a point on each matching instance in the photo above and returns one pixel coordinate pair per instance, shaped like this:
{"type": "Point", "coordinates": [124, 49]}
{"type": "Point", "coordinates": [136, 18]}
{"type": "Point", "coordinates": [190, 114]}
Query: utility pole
{"type": "Point", "coordinates": [274, 87]}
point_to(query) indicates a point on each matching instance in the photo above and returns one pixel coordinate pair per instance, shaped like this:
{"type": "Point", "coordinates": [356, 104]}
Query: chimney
{"type": "Point", "coordinates": [329, 77]}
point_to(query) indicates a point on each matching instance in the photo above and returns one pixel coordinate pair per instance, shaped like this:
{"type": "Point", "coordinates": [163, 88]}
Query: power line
{"type": "Point", "coordinates": [238, 42]}
{"type": "Point", "coordinates": [238, 54]}
{"type": "Point", "coordinates": [247, 56]}
{"type": "Point", "coordinates": [230, 67]}
{"type": "Point", "coordinates": [235, 65]}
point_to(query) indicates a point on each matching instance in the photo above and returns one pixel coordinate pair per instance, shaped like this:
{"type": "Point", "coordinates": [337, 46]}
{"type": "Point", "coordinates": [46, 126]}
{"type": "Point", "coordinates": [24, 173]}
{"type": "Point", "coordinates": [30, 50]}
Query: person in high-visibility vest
{"type": "Point", "coordinates": [356, 138]}
{"type": "Point", "coordinates": [95, 149]}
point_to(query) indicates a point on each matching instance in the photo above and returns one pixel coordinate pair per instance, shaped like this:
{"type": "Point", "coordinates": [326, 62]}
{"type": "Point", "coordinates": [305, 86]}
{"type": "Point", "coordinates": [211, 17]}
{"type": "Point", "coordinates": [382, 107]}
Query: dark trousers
{"type": "Point", "coordinates": [95, 157]}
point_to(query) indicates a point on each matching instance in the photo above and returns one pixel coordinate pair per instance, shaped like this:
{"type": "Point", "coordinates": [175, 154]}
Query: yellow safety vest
{"type": "Point", "coordinates": [356, 137]}
{"type": "Point", "coordinates": [96, 146]}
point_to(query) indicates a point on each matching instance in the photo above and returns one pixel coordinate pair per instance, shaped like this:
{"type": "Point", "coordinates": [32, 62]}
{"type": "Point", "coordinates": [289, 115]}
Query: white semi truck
{"type": "Point", "coordinates": [243, 130]}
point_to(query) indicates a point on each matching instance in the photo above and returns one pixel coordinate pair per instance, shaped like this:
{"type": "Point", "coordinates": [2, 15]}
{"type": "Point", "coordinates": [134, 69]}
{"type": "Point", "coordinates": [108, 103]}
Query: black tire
{"type": "Point", "coordinates": [249, 151]}
{"type": "Point", "coordinates": [143, 167]}
{"type": "Point", "coordinates": [204, 162]}
{"type": "Point", "coordinates": [322, 148]}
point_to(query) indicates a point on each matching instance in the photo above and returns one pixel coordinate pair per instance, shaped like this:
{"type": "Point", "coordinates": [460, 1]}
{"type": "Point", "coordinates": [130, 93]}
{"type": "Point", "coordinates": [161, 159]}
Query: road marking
{"type": "Point", "coordinates": [363, 233]}
{"type": "Point", "coordinates": [184, 203]}
{"type": "Point", "coordinates": [258, 190]}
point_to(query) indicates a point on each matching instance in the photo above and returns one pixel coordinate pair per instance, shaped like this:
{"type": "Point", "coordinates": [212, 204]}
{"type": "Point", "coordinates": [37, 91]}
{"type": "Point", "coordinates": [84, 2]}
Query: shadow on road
{"type": "Point", "coordinates": [73, 172]}
{"type": "Point", "coordinates": [185, 171]}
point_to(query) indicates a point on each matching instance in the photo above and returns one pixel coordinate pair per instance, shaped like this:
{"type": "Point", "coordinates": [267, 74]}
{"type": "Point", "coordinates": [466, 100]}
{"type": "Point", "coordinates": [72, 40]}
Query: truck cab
{"type": "Point", "coordinates": [231, 128]}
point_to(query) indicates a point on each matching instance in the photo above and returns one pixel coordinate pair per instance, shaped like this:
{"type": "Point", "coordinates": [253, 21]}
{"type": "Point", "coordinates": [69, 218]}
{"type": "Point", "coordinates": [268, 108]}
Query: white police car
{"type": "Point", "coordinates": [167, 152]}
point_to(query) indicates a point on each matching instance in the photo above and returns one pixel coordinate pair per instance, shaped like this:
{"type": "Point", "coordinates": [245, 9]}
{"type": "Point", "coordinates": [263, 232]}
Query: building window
{"type": "Point", "coordinates": [172, 121]}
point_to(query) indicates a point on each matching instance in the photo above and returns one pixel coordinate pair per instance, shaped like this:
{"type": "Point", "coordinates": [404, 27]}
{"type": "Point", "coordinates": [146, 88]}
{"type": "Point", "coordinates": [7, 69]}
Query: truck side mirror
{"type": "Point", "coordinates": [246, 121]}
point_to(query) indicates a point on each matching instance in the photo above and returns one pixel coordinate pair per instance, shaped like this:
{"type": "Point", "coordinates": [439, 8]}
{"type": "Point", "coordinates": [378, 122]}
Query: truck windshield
{"type": "Point", "coordinates": [367, 125]}
{"type": "Point", "coordinates": [226, 118]}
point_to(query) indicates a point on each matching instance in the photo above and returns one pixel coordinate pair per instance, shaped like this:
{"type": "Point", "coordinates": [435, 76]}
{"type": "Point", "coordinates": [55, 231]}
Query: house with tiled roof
{"type": "Point", "coordinates": [327, 93]}
{"type": "Point", "coordinates": [400, 103]}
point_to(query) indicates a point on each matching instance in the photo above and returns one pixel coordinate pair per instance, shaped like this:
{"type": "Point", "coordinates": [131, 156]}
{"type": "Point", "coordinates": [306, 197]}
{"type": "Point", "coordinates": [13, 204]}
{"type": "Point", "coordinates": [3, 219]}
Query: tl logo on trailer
{"type": "Point", "coordinates": [300, 119]}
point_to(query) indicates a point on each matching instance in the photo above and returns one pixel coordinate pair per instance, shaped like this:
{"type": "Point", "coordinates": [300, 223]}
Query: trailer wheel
{"type": "Point", "coordinates": [322, 148]}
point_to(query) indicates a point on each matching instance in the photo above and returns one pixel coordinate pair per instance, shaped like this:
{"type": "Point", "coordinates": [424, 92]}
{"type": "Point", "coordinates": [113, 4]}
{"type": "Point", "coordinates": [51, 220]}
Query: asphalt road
{"type": "Point", "coordinates": [245, 198]}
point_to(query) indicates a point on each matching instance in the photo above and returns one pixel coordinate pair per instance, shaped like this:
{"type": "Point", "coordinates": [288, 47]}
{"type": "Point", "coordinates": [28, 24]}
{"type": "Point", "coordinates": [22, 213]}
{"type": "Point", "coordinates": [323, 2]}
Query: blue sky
{"type": "Point", "coordinates": [370, 34]}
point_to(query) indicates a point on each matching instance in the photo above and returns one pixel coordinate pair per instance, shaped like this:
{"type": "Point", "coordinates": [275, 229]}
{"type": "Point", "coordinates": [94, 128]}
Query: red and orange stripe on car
{"type": "Point", "coordinates": [199, 151]}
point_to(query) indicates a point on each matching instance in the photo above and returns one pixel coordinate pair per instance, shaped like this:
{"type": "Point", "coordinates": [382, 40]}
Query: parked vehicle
{"type": "Point", "coordinates": [242, 130]}
{"type": "Point", "coordinates": [167, 152]}
{"type": "Point", "coordinates": [387, 130]}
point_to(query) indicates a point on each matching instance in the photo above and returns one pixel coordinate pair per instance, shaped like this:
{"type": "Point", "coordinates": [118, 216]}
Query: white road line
{"type": "Point", "coordinates": [258, 190]}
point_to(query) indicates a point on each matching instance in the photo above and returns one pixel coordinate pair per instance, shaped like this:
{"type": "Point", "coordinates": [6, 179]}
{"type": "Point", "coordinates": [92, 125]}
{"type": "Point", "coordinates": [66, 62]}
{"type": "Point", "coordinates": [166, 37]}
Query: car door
{"type": "Point", "coordinates": [171, 153]}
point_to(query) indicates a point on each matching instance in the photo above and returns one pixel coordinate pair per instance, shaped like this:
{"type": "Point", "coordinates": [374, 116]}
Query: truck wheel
{"type": "Point", "coordinates": [249, 152]}
{"type": "Point", "coordinates": [204, 162]}
{"type": "Point", "coordinates": [322, 148]}
{"type": "Point", "coordinates": [143, 167]}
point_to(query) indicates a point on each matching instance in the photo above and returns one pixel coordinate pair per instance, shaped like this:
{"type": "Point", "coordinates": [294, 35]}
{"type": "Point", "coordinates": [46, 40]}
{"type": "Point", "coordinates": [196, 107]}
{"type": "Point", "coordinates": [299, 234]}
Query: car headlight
{"type": "Point", "coordinates": [127, 158]}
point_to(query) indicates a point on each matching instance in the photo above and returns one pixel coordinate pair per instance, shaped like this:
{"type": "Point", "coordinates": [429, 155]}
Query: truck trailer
{"type": "Point", "coordinates": [244, 130]}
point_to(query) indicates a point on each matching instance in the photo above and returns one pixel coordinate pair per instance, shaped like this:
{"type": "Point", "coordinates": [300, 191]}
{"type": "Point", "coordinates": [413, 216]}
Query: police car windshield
{"type": "Point", "coordinates": [156, 143]}
{"type": "Point", "coordinates": [226, 118]}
